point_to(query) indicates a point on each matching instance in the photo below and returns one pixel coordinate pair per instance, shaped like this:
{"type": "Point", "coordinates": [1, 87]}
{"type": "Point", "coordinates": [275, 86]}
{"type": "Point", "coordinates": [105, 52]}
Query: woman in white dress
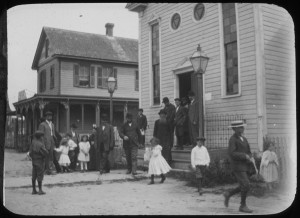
{"type": "Point", "coordinates": [157, 164]}
{"type": "Point", "coordinates": [64, 160]}
{"type": "Point", "coordinates": [84, 156]}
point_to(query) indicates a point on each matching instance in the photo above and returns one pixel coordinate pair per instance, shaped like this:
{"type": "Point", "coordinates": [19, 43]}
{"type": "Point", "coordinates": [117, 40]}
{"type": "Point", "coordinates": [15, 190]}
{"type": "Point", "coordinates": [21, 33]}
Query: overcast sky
{"type": "Point", "coordinates": [25, 23]}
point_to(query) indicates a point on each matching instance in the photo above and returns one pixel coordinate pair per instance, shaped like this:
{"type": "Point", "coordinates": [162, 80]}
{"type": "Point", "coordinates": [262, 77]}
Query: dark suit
{"type": "Point", "coordinates": [105, 143]}
{"type": "Point", "coordinates": [49, 143]}
{"type": "Point", "coordinates": [142, 124]}
{"type": "Point", "coordinates": [74, 153]}
{"type": "Point", "coordinates": [131, 145]}
{"type": "Point", "coordinates": [194, 121]}
{"type": "Point", "coordinates": [94, 162]}
{"type": "Point", "coordinates": [170, 110]}
{"type": "Point", "coordinates": [179, 121]}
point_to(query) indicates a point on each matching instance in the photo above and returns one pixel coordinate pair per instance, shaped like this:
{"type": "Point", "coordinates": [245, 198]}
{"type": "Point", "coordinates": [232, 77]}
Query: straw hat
{"type": "Point", "coordinates": [237, 123]}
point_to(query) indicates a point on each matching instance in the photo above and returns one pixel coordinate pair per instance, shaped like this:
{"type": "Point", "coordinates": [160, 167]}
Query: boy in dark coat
{"type": "Point", "coordinates": [38, 153]}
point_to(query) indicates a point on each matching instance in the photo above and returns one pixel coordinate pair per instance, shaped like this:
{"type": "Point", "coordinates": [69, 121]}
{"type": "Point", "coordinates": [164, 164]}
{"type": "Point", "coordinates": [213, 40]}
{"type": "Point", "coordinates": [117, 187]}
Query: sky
{"type": "Point", "coordinates": [24, 27]}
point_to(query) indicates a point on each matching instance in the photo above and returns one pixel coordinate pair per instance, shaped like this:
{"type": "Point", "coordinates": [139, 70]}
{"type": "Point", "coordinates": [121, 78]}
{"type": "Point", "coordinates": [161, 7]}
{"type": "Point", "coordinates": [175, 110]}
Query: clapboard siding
{"type": "Point", "coordinates": [126, 80]}
{"type": "Point", "coordinates": [47, 66]}
{"type": "Point", "coordinates": [280, 70]}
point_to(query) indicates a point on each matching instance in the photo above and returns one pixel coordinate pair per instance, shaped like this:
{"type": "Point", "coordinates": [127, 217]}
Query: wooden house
{"type": "Point", "coordinates": [250, 73]}
{"type": "Point", "coordinates": [72, 70]}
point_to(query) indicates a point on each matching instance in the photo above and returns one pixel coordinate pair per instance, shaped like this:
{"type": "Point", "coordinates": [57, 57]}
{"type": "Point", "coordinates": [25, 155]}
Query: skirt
{"type": "Point", "coordinates": [158, 165]}
{"type": "Point", "coordinates": [64, 160]}
{"type": "Point", "coordinates": [269, 173]}
{"type": "Point", "coordinates": [83, 157]}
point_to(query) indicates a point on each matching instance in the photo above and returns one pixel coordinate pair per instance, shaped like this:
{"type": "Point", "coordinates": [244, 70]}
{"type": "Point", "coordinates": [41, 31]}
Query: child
{"type": "Point", "coordinates": [268, 166]}
{"type": "Point", "coordinates": [84, 156]}
{"type": "Point", "coordinates": [157, 164]}
{"type": "Point", "coordinates": [72, 147]}
{"type": "Point", "coordinates": [199, 160]}
{"type": "Point", "coordinates": [64, 160]}
{"type": "Point", "coordinates": [37, 153]}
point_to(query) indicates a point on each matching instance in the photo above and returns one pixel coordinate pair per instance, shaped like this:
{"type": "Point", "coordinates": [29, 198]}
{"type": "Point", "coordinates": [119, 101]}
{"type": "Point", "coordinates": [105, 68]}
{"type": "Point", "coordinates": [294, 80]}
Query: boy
{"type": "Point", "coordinates": [199, 160]}
{"type": "Point", "coordinates": [72, 154]}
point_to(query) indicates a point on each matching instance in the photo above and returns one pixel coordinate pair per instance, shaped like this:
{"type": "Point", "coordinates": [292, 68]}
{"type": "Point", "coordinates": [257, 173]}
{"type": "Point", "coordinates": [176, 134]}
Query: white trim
{"type": "Point", "coordinates": [170, 21]}
{"type": "Point", "coordinates": [140, 60]}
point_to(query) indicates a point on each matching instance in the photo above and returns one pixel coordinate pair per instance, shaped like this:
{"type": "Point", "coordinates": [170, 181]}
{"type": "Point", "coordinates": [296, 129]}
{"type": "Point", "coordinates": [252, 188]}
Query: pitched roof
{"type": "Point", "coordinates": [87, 45]}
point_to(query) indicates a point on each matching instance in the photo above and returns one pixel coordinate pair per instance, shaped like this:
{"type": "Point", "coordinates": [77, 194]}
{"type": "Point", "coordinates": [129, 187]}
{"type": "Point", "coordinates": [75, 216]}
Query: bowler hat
{"type": "Point", "coordinates": [74, 126]}
{"type": "Point", "coordinates": [165, 100]}
{"type": "Point", "coordinates": [48, 113]}
{"type": "Point", "coordinates": [129, 115]}
{"type": "Point", "coordinates": [141, 109]}
{"type": "Point", "coordinates": [162, 111]}
{"type": "Point", "coordinates": [177, 99]}
{"type": "Point", "coordinates": [237, 123]}
{"type": "Point", "coordinates": [200, 139]}
{"type": "Point", "coordinates": [38, 133]}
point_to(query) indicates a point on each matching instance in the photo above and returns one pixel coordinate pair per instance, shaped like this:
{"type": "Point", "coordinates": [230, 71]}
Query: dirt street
{"type": "Point", "coordinates": [117, 195]}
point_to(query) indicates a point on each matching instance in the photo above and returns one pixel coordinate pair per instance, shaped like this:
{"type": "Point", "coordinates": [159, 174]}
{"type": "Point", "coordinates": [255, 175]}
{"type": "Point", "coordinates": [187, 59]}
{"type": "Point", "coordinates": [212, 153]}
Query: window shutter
{"type": "Point", "coordinates": [99, 77]}
{"type": "Point", "coordinates": [92, 77]}
{"type": "Point", "coordinates": [116, 76]}
{"type": "Point", "coordinates": [76, 75]}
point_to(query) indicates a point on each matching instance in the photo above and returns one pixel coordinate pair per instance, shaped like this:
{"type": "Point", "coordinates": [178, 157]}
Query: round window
{"type": "Point", "coordinates": [198, 11]}
{"type": "Point", "coordinates": [175, 22]}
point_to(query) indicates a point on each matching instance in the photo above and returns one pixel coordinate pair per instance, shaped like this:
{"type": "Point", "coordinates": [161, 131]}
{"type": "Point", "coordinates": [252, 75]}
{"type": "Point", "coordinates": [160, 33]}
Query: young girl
{"type": "Point", "coordinates": [269, 166]}
{"type": "Point", "coordinates": [64, 160]}
{"type": "Point", "coordinates": [157, 164]}
{"type": "Point", "coordinates": [84, 156]}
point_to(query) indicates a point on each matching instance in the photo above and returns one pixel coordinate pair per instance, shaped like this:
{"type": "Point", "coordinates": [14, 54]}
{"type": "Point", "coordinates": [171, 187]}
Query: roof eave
{"type": "Point", "coordinates": [136, 7]}
{"type": "Point", "coordinates": [34, 65]}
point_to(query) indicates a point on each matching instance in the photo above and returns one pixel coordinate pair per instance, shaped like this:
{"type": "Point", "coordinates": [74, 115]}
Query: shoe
{"type": "Point", "coordinates": [128, 172]}
{"type": "Point", "coordinates": [101, 172]}
{"type": "Point", "coordinates": [226, 200]}
{"type": "Point", "coordinates": [34, 192]}
{"type": "Point", "coordinates": [107, 171]}
{"type": "Point", "coordinates": [245, 209]}
{"type": "Point", "coordinates": [200, 192]}
{"type": "Point", "coordinates": [163, 179]}
{"type": "Point", "coordinates": [151, 182]}
{"type": "Point", "coordinates": [134, 173]}
{"type": "Point", "coordinates": [41, 192]}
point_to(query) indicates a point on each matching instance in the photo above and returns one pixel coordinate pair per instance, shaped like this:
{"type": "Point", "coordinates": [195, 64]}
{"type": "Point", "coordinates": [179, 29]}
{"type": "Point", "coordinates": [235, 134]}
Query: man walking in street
{"type": "Point", "coordinates": [106, 143]}
{"type": "Point", "coordinates": [193, 119]}
{"type": "Point", "coordinates": [179, 120]}
{"type": "Point", "coordinates": [240, 159]}
{"type": "Point", "coordinates": [170, 111]}
{"type": "Point", "coordinates": [130, 134]}
{"type": "Point", "coordinates": [142, 124]}
{"type": "Point", "coordinates": [47, 128]}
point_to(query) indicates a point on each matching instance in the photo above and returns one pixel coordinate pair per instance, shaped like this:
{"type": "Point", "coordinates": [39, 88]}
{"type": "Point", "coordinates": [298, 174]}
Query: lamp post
{"type": "Point", "coordinates": [199, 61]}
{"type": "Point", "coordinates": [111, 85]}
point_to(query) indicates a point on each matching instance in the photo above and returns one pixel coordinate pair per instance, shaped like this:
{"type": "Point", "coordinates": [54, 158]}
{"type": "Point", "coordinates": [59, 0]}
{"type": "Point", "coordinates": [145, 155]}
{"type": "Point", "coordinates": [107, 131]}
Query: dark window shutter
{"type": "Point", "coordinates": [92, 77]}
{"type": "Point", "coordinates": [76, 75]}
{"type": "Point", "coordinates": [99, 77]}
{"type": "Point", "coordinates": [116, 76]}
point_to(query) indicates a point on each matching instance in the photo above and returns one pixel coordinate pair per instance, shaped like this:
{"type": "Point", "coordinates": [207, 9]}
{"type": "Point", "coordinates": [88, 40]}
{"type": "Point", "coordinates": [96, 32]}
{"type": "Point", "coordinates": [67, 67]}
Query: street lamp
{"type": "Point", "coordinates": [199, 61]}
{"type": "Point", "coordinates": [111, 85]}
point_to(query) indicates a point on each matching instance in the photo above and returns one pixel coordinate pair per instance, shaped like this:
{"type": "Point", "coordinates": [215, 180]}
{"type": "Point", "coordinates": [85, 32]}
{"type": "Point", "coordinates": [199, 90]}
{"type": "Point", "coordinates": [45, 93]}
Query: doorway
{"type": "Point", "coordinates": [187, 82]}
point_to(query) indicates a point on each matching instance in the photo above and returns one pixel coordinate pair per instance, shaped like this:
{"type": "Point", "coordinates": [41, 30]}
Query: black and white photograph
{"type": "Point", "coordinates": [149, 109]}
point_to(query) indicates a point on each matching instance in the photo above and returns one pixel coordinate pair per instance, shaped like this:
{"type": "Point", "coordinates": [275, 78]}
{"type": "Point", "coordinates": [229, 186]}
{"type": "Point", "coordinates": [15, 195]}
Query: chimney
{"type": "Point", "coordinates": [109, 29]}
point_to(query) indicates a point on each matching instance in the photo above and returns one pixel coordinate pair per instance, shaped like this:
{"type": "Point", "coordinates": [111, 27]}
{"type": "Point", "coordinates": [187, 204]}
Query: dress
{"type": "Point", "coordinates": [157, 164]}
{"type": "Point", "coordinates": [268, 166]}
{"type": "Point", "coordinates": [64, 159]}
{"type": "Point", "coordinates": [84, 148]}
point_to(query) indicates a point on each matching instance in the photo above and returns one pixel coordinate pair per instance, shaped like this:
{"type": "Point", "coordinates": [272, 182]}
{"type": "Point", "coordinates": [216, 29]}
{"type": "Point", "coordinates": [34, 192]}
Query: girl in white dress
{"type": "Point", "coordinates": [64, 160]}
{"type": "Point", "coordinates": [84, 156]}
{"type": "Point", "coordinates": [157, 164]}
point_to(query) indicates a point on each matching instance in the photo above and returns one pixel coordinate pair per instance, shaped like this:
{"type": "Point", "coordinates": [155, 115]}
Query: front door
{"type": "Point", "coordinates": [187, 82]}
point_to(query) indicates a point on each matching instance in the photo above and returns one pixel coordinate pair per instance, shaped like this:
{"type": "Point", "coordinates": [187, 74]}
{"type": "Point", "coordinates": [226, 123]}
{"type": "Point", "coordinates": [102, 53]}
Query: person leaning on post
{"type": "Point", "coordinates": [38, 153]}
{"type": "Point", "coordinates": [240, 159]}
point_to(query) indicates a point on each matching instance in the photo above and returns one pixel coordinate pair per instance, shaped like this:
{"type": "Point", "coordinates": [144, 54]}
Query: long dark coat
{"type": "Point", "coordinates": [94, 162]}
{"type": "Point", "coordinates": [141, 121]}
{"type": "Point", "coordinates": [162, 131]}
{"type": "Point", "coordinates": [106, 137]}
{"type": "Point", "coordinates": [180, 119]}
{"type": "Point", "coordinates": [132, 132]}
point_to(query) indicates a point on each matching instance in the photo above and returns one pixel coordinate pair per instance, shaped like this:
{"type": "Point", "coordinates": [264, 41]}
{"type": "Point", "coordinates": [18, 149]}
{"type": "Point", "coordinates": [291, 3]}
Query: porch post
{"type": "Point", "coordinates": [22, 127]}
{"type": "Point", "coordinates": [42, 105]}
{"type": "Point", "coordinates": [82, 116]}
{"type": "Point", "coordinates": [57, 118]}
{"type": "Point", "coordinates": [200, 99]}
{"type": "Point", "coordinates": [98, 113]}
{"type": "Point", "coordinates": [125, 110]}
{"type": "Point", "coordinates": [67, 107]}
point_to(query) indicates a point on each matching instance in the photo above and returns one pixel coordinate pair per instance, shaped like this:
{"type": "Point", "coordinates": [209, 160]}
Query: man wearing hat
{"type": "Point", "coordinates": [199, 161]}
{"type": "Point", "coordinates": [170, 111]}
{"type": "Point", "coordinates": [48, 130]}
{"type": "Point", "coordinates": [142, 124]}
{"type": "Point", "coordinates": [38, 153]}
{"type": "Point", "coordinates": [193, 118]}
{"type": "Point", "coordinates": [240, 159]}
{"type": "Point", "coordinates": [179, 121]}
{"type": "Point", "coordinates": [130, 134]}
{"type": "Point", "coordinates": [74, 151]}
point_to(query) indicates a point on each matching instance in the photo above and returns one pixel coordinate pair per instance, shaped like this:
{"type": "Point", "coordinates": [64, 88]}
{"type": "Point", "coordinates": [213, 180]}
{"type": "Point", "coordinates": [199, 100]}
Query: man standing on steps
{"type": "Point", "coordinates": [240, 159]}
{"type": "Point", "coordinates": [179, 120]}
{"type": "Point", "coordinates": [193, 119]}
{"type": "Point", "coordinates": [170, 115]}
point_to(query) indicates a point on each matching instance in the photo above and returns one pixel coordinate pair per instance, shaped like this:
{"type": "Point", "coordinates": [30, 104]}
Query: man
{"type": "Point", "coordinates": [130, 134]}
{"type": "Point", "coordinates": [105, 143]}
{"type": "Point", "coordinates": [74, 151]}
{"type": "Point", "coordinates": [193, 118]}
{"type": "Point", "coordinates": [179, 121]}
{"type": "Point", "coordinates": [240, 158]}
{"type": "Point", "coordinates": [94, 162]}
{"type": "Point", "coordinates": [142, 124]}
{"type": "Point", "coordinates": [170, 111]}
{"type": "Point", "coordinates": [185, 107]}
{"type": "Point", "coordinates": [47, 128]}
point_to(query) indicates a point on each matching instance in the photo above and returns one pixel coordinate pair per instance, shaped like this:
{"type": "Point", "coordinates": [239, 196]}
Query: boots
{"type": "Point", "coordinates": [152, 180]}
{"type": "Point", "coordinates": [34, 192]}
{"type": "Point", "coordinates": [41, 192]}
{"type": "Point", "coordinates": [200, 187]}
{"type": "Point", "coordinates": [245, 209]}
{"type": "Point", "coordinates": [163, 178]}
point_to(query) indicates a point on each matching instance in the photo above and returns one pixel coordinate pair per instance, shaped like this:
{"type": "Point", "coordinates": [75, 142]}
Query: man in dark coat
{"type": "Point", "coordinates": [170, 115]}
{"type": "Point", "coordinates": [105, 143]}
{"type": "Point", "coordinates": [73, 153]}
{"type": "Point", "coordinates": [193, 118]}
{"type": "Point", "coordinates": [48, 130]}
{"type": "Point", "coordinates": [240, 158]}
{"type": "Point", "coordinates": [185, 107]}
{"type": "Point", "coordinates": [38, 153]}
{"type": "Point", "coordinates": [130, 134]}
{"type": "Point", "coordinates": [94, 162]}
{"type": "Point", "coordinates": [179, 121]}
{"type": "Point", "coordinates": [142, 124]}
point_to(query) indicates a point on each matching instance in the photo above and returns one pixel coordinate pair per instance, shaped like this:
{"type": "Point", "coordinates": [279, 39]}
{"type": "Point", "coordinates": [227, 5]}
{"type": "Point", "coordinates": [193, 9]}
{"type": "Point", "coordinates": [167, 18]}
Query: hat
{"type": "Point", "coordinates": [200, 139]}
{"type": "Point", "coordinates": [191, 93]}
{"type": "Point", "coordinates": [129, 115]}
{"type": "Point", "coordinates": [237, 123]}
{"type": "Point", "coordinates": [38, 133]}
{"type": "Point", "coordinates": [165, 100]}
{"type": "Point", "coordinates": [141, 109]}
{"type": "Point", "coordinates": [48, 113]}
{"type": "Point", "coordinates": [104, 117]}
{"type": "Point", "coordinates": [162, 111]}
{"type": "Point", "coordinates": [177, 99]}
{"type": "Point", "coordinates": [74, 126]}
{"type": "Point", "coordinates": [64, 141]}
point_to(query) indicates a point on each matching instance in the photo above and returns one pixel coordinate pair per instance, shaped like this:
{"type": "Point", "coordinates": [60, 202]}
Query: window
{"type": "Point", "coordinates": [46, 48]}
{"type": "Point", "coordinates": [155, 64]}
{"type": "Point", "coordinates": [175, 21]}
{"type": "Point", "coordinates": [102, 75]}
{"type": "Point", "coordinates": [198, 11]}
{"type": "Point", "coordinates": [84, 76]}
{"type": "Point", "coordinates": [230, 46]}
{"type": "Point", "coordinates": [52, 77]}
{"type": "Point", "coordinates": [136, 84]}
{"type": "Point", "coordinates": [43, 81]}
